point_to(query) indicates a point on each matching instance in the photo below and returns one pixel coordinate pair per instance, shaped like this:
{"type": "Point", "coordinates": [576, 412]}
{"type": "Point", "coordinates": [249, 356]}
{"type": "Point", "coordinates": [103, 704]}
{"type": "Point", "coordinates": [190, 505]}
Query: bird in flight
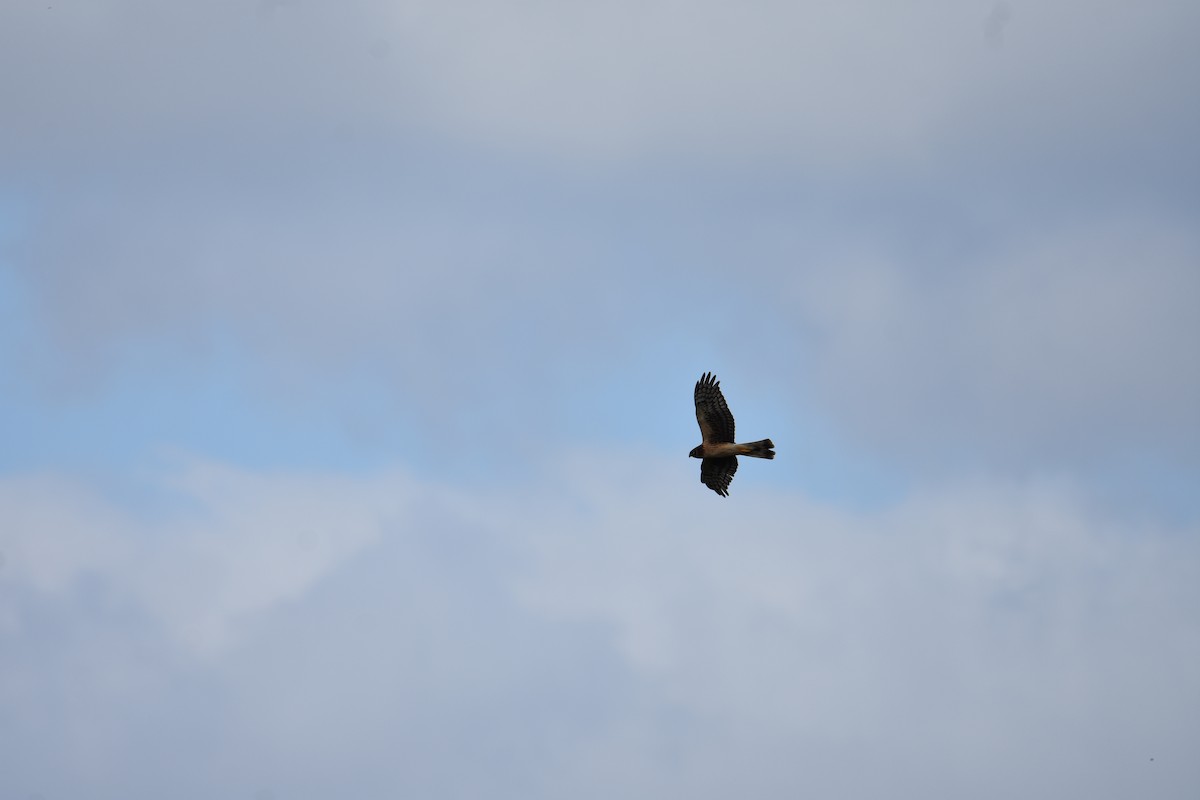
{"type": "Point", "coordinates": [718, 450]}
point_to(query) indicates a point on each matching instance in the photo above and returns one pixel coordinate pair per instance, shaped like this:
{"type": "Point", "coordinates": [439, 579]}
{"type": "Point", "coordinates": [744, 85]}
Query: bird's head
{"type": "Point", "coordinates": [697, 451]}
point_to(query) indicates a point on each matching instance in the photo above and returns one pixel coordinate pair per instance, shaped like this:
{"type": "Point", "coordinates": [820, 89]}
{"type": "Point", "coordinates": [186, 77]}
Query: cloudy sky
{"type": "Point", "coordinates": [346, 361]}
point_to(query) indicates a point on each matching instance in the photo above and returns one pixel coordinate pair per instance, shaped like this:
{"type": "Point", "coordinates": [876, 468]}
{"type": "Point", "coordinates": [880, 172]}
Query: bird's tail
{"type": "Point", "coordinates": [763, 448]}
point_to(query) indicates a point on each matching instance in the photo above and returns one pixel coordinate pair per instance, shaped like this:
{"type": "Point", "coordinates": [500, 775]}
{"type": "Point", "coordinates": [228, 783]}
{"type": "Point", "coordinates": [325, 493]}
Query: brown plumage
{"type": "Point", "coordinates": [717, 448]}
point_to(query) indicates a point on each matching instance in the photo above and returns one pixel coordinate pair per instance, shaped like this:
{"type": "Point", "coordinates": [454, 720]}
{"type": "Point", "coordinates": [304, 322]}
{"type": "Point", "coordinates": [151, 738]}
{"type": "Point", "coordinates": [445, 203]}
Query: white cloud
{"type": "Point", "coordinates": [602, 632]}
{"type": "Point", "coordinates": [856, 83]}
{"type": "Point", "coordinates": [1070, 346]}
{"type": "Point", "coordinates": [240, 545]}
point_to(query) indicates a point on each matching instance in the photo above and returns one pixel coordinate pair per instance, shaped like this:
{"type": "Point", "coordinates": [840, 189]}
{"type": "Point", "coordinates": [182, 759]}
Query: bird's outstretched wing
{"type": "Point", "coordinates": [717, 473]}
{"type": "Point", "coordinates": [716, 422]}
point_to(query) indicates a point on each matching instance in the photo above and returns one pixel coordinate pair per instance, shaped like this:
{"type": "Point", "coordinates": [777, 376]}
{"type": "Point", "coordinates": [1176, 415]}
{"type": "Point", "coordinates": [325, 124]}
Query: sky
{"type": "Point", "coordinates": [346, 366]}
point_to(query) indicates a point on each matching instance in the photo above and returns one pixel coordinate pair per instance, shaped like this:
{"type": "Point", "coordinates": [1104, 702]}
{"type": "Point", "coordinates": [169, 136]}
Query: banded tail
{"type": "Point", "coordinates": [763, 448]}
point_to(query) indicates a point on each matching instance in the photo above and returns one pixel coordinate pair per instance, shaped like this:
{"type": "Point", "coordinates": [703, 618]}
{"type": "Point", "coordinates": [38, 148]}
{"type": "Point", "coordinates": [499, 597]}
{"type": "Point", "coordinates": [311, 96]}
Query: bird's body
{"type": "Point", "coordinates": [718, 449]}
{"type": "Point", "coordinates": [726, 449]}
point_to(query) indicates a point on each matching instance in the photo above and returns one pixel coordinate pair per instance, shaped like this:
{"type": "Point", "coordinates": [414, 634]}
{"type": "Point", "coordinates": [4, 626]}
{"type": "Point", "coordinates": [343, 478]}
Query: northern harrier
{"type": "Point", "coordinates": [716, 429]}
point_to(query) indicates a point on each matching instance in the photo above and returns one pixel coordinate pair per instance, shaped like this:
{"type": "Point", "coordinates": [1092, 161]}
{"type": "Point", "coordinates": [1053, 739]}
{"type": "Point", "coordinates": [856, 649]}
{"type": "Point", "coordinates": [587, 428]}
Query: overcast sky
{"type": "Point", "coordinates": [346, 366]}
